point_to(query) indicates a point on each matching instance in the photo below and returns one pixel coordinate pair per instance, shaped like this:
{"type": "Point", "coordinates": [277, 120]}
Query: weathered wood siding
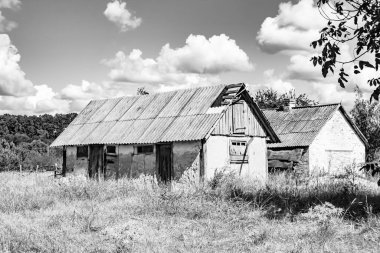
{"type": "Point", "coordinates": [239, 116]}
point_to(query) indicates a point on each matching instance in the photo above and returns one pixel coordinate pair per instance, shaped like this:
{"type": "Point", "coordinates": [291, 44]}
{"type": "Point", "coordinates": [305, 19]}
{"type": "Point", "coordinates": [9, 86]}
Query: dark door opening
{"type": "Point", "coordinates": [95, 161]}
{"type": "Point", "coordinates": [164, 162]}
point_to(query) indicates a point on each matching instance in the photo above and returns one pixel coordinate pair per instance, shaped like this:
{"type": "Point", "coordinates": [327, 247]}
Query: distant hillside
{"type": "Point", "coordinates": [20, 128]}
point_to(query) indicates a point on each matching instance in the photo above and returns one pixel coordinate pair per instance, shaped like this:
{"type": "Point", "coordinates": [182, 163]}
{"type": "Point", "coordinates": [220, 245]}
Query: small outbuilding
{"type": "Point", "coordinates": [166, 134]}
{"type": "Point", "coordinates": [315, 139]}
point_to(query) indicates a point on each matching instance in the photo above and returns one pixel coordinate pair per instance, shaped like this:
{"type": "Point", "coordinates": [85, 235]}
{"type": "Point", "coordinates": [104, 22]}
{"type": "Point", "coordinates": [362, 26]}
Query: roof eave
{"type": "Point", "coordinates": [264, 122]}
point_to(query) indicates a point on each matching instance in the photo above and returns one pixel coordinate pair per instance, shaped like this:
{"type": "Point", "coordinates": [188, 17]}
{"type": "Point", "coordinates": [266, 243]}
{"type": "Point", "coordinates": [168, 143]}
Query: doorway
{"type": "Point", "coordinates": [95, 161]}
{"type": "Point", "coordinates": [164, 162]}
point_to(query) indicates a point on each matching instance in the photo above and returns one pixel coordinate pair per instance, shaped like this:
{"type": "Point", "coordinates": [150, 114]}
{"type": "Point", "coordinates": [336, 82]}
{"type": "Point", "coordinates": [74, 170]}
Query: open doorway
{"type": "Point", "coordinates": [164, 162]}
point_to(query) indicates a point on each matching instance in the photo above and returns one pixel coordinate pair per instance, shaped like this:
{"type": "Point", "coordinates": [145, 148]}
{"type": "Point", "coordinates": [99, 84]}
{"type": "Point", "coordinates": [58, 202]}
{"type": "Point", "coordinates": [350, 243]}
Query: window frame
{"type": "Point", "coordinates": [85, 150]}
{"type": "Point", "coordinates": [139, 149]}
{"type": "Point", "coordinates": [111, 153]}
{"type": "Point", "coordinates": [233, 157]}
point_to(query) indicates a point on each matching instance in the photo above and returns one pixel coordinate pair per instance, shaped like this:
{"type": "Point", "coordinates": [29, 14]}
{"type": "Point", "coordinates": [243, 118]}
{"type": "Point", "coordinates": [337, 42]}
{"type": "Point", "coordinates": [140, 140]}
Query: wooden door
{"type": "Point", "coordinates": [95, 162]}
{"type": "Point", "coordinates": [164, 162]}
{"type": "Point", "coordinates": [238, 118]}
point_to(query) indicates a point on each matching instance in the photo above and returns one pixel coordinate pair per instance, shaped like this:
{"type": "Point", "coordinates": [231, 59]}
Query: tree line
{"type": "Point", "coordinates": [25, 140]}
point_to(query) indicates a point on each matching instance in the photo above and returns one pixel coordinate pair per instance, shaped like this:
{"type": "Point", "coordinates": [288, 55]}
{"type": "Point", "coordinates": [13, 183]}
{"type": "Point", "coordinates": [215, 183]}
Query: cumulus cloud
{"type": "Point", "coordinates": [272, 81]}
{"type": "Point", "coordinates": [118, 13]}
{"type": "Point", "coordinates": [292, 29]}
{"type": "Point", "coordinates": [201, 55]}
{"type": "Point", "coordinates": [45, 100]}
{"type": "Point", "coordinates": [78, 96]}
{"type": "Point", "coordinates": [6, 25]}
{"type": "Point", "coordinates": [290, 33]}
{"type": "Point", "coordinates": [198, 62]}
{"type": "Point", "coordinates": [12, 79]}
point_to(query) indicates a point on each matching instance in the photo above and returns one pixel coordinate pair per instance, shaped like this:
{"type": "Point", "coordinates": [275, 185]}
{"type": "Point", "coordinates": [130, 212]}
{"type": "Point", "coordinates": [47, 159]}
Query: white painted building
{"type": "Point", "coordinates": [165, 134]}
{"type": "Point", "coordinates": [325, 136]}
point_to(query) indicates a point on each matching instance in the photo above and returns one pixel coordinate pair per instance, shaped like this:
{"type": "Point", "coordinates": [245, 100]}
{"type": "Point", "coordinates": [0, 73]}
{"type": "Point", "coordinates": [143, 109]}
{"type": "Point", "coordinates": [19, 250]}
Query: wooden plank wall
{"type": "Point", "coordinates": [284, 159]}
{"type": "Point", "coordinates": [244, 116]}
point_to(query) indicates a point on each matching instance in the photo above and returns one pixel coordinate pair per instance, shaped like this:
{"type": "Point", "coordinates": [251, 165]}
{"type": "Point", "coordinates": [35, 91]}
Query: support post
{"type": "Point", "coordinates": [64, 166]}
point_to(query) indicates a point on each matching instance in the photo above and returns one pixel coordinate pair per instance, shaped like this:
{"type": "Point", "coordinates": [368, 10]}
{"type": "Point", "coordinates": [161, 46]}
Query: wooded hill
{"type": "Point", "coordinates": [21, 128]}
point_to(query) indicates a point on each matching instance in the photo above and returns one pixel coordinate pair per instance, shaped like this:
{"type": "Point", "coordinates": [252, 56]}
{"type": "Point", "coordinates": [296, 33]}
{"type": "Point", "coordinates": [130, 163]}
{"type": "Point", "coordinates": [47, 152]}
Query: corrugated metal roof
{"type": "Point", "coordinates": [163, 117]}
{"type": "Point", "coordinates": [299, 126]}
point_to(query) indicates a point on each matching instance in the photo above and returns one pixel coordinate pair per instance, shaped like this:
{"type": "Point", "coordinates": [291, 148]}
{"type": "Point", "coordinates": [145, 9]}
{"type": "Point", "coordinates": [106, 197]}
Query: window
{"type": "Point", "coordinates": [146, 149]}
{"type": "Point", "coordinates": [238, 118]}
{"type": "Point", "coordinates": [111, 150]}
{"type": "Point", "coordinates": [82, 152]}
{"type": "Point", "coordinates": [238, 152]}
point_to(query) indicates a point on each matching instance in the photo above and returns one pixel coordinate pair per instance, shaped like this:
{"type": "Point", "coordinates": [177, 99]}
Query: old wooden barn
{"type": "Point", "coordinates": [315, 139]}
{"type": "Point", "coordinates": [164, 134]}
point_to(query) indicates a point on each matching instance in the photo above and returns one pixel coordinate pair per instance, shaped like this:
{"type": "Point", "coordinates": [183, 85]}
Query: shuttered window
{"type": "Point", "coordinates": [238, 152]}
{"type": "Point", "coordinates": [238, 118]}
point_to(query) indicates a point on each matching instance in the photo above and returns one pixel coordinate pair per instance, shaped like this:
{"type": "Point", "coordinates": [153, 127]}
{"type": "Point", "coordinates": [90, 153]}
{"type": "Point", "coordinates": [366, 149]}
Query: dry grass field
{"type": "Point", "coordinates": [41, 214]}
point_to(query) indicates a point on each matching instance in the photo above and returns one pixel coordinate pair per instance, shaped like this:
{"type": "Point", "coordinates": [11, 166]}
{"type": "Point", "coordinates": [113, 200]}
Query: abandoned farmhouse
{"type": "Point", "coordinates": [314, 139]}
{"type": "Point", "coordinates": [164, 134]}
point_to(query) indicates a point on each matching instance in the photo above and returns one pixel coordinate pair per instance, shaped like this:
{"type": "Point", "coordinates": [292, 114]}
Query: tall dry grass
{"type": "Point", "coordinates": [41, 214]}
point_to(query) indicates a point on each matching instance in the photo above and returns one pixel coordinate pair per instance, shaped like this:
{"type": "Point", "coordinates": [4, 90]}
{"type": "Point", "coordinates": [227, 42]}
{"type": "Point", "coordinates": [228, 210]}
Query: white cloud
{"type": "Point", "coordinates": [44, 101]}
{"type": "Point", "coordinates": [12, 79]}
{"type": "Point", "coordinates": [197, 63]}
{"type": "Point", "coordinates": [118, 13]}
{"type": "Point", "coordinates": [10, 4]}
{"type": "Point", "coordinates": [201, 55]}
{"type": "Point", "coordinates": [291, 33]}
{"type": "Point", "coordinates": [293, 29]}
{"type": "Point", "coordinates": [78, 96]}
{"type": "Point", "coordinates": [6, 25]}
{"type": "Point", "coordinates": [272, 81]}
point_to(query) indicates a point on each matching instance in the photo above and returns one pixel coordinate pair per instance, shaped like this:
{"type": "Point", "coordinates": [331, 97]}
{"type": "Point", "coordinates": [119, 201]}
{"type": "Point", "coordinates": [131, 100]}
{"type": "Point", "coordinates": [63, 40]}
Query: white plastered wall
{"type": "Point", "coordinates": [335, 147]}
{"type": "Point", "coordinates": [217, 157]}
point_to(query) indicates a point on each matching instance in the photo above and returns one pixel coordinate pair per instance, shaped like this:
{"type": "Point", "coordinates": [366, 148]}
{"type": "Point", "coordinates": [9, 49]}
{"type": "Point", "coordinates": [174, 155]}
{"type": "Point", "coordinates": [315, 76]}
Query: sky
{"type": "Point", "coordinates": [56, 56]}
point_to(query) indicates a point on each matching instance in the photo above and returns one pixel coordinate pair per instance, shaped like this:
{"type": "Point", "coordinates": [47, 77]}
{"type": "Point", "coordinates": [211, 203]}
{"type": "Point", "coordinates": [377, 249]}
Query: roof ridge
{"type": "Point", "coordinates": [319, 105]}
{"type": "Point", "coordinates": [166, 92]}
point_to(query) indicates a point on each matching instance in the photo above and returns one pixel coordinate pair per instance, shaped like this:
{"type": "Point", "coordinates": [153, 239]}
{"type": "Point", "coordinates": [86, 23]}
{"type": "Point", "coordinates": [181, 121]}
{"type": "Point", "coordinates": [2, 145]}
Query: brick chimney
{"type": "Point", "coordinates": [289, 103]}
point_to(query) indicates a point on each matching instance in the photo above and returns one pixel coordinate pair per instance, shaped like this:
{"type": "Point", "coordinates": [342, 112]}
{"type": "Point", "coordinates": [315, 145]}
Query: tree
{"type": "Point", "coordinates": [351, 22]}
{"type": "Point", "coordinates": [142, 91]}
{"type": "Point", "coordinates": [366, 116]}
{"type": "Point", "coordinates": [270, 99]}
